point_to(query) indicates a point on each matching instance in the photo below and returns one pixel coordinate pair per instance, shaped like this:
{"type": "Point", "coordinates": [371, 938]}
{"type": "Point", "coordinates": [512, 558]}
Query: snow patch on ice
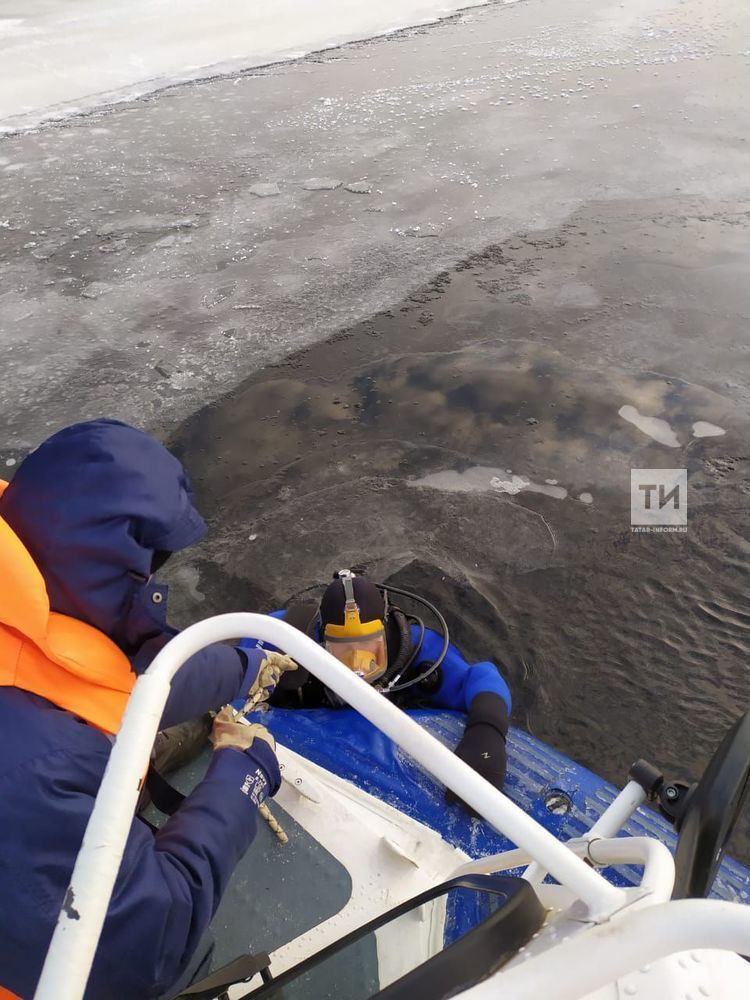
{"type": "Point", "coordinates": [702, 429]}
{"type": "Point", "coordinates": [67, 58]}
{"type": "Point", "coordinates": [484, 479]}
{"type": "Point", "coordinates": [13, 27]}
{"type": "Point", "coordinates": [656, 428]}
{"type": "Point", "coordinates": [517, 484]}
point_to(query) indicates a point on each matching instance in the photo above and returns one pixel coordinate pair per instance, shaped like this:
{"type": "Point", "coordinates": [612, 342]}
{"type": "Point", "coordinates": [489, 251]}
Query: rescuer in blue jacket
{"type": "Point", "coordinates": [88, 518]}
{"type": "Point", "coordinates": [409, 663]}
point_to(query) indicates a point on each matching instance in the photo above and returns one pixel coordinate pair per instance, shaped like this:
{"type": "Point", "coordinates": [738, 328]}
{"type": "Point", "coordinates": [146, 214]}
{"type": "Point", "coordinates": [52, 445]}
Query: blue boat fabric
{"type": "Point", "coordinates": [538, 778]}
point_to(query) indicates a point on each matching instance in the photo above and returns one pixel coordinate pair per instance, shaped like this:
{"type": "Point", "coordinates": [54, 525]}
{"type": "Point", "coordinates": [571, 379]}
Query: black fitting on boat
{"type": "Point", "coordinates": [674, 798]}
{"type": "Point", "coordinates": [671, 797]}
{"type": "Point", "coordinates": [648, 777]}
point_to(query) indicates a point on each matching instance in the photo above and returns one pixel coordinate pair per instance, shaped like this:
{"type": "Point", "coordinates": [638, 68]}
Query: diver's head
{"type": "Point", "coordinates": [352, 615]}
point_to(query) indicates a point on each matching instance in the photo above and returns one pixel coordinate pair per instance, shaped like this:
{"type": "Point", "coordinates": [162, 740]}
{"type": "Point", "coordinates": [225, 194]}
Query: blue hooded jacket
{"type": "Point", "coordinates": [93, 505]}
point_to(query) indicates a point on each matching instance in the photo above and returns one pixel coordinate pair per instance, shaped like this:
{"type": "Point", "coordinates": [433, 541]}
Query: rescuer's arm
{"type": "Point", "coordinates": [170, 884]}
{"type": "Point", "coordinates": [212, 677]}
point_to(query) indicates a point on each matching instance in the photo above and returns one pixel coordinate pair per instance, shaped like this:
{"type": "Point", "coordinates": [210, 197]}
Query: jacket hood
{"type": "Point", "coordinates": [91, 506]}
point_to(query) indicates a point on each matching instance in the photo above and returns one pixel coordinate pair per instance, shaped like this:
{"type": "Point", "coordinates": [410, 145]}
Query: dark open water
{"type": "Point", "coordinates": [385, 446]}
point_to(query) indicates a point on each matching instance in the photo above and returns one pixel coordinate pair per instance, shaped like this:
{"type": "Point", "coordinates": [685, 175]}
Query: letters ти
{"type": "Point", "coordinates": [673, 495]}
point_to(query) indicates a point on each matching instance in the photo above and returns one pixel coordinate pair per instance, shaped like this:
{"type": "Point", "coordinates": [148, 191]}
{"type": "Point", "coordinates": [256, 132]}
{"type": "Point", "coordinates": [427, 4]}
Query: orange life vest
{"type": "Point", "coordinates": [66, 661]}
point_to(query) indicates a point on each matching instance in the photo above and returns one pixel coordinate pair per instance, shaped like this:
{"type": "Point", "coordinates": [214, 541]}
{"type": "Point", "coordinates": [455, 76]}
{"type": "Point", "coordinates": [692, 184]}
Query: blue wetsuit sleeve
{"type": "Point", "coordinates": [170, 885]}
{"type": "Point", "coordinates": [460, 682]}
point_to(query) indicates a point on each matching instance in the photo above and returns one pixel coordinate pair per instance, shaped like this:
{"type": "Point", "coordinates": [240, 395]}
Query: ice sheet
{"type": "Point", "coordinates": [63, 56]}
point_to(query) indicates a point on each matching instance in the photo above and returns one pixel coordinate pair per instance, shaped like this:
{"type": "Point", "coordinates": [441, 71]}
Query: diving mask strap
{"type": "Point", "coordinates": [351, 608]}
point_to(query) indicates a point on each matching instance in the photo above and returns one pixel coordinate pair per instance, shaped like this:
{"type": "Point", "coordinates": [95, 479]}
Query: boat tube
{"type": "Point", "coordinates": [563, 888]}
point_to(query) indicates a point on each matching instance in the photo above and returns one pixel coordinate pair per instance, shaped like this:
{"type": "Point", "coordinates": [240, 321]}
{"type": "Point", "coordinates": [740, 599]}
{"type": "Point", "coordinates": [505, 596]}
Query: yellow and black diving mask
{"type": "Point", "coordinates": [359, 645]}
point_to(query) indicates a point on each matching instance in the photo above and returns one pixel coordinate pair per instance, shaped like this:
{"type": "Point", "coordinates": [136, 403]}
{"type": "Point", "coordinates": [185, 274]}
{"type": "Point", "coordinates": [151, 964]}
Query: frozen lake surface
{"type": "Point", "coordinates": [59, 57]}
{"type": "Point", "coordinates": [510, 248]}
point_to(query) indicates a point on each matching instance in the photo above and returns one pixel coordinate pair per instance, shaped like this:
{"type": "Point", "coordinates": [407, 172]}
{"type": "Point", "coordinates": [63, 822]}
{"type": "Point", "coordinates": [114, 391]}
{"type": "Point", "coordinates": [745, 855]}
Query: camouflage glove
{"type": "Point", "coordinates": [230, 731]}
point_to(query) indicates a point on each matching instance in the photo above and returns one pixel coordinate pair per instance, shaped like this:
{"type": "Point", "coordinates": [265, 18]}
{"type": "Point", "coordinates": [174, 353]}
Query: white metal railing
{"type": "Point", "coordinates": [615, 816]}
{"type": "Point", "coordinates": [657, 862]}
{"type": "Point", "coordinates": [586, 962]}
{"type": "Point", "coordinates": [79, 924]}
{"type": "Point", "coordinates": [618, 812]}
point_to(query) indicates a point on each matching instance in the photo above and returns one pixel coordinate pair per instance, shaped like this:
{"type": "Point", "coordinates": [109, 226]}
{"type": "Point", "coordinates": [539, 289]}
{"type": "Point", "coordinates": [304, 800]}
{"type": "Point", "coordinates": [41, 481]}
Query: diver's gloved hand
{"type": "Point", "coordinates": [262, 675]}
{"type": "Point", "coordinates": [483, 744]}
{"type": "Point", "coordinates": [234, 742]}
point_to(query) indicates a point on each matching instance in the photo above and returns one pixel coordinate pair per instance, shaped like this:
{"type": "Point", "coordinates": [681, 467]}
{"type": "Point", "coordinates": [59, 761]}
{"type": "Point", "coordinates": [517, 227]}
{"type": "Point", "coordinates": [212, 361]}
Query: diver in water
{"type": "Point", "coordinates": [413, 665]}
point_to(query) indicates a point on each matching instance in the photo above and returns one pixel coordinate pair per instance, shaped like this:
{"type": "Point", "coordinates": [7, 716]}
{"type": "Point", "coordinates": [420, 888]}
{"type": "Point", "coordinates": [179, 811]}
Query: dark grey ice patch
{"type": "Point", "coordinates": [70, 911]}
{"type": "Point", "coordinates": [321, 184]}
{"type": "Point", "coordinates": [265, 190]}
{"type": "Point", "coordinates": [164, 369]}
{"type": "Point", "coordinates": [96, 289]}
{"type": "Point", "coordinates": [215, 296]}
{"type": "Point", "coordinates": [139, 223]}
{"type": "Point", "coordinates": [422, 232]}
{"type": "Point", "coordinates": [116, 246]}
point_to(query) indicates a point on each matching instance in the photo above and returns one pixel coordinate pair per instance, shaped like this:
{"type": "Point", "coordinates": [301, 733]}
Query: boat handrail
{"type": "Point", "coordinates": [655, 857]}
{"type": "Point", "coordinates": [615, 816]}
{"type": "Point", "coordinates": [631, 940]}
{"type": "Point", "coordinates": [73, 946]}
